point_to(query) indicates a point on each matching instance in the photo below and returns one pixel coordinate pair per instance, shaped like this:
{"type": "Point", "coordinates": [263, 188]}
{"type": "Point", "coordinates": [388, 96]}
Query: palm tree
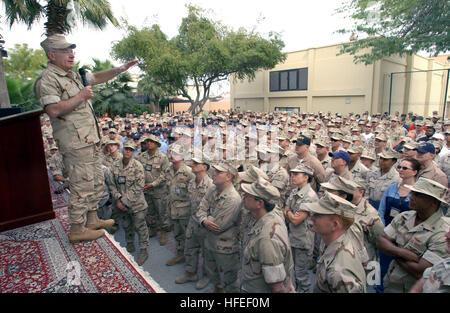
{"type": "Point", "coordinates": [60, 15]}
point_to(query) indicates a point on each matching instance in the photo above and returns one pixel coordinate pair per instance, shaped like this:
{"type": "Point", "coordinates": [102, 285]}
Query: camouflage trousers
{"type": "Point", "coordinates": [195, 243]}
{"type": "Point", "coordinates": [302, 261]}
{"type": "Point", "coordinates": [86, 179]}
{"type": "Point", "coordinates": [222, 270]}
{"type": "Point", "coordinates": [135, 222]}
{"type": "Point", "coordinates": [157, 212]}
{"type": "Point", "coordinates": [179, 233]}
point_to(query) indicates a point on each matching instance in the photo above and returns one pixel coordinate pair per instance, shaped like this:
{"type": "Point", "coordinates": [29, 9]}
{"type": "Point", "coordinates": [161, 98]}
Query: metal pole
{"type": "Point", "coordinates": [390, 94]}
{"type": "Point", "coordinates": [446, 92]}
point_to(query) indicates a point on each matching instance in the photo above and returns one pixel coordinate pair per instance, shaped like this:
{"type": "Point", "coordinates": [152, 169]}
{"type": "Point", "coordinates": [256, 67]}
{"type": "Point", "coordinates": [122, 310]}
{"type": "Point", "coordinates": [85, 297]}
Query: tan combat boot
{"type": "Point", "coordinates": [153, 232]}
{"type": "Point", "coordinates": [143, 256]}
{"type": "Point", "coordinates": [79, 233]}
{"type": "Point", "coordinates": [179, 258]}
{"type": "Point", "coordinates": [202, 283]}
{"type": "Point", "coordinates": [163, 238]}
{"type": "Point", "coordinates": [186, 278]}
{"type": "Point", "coordinates": [130, 247]}
{"type": "Point", "coordinates": [93, 222]}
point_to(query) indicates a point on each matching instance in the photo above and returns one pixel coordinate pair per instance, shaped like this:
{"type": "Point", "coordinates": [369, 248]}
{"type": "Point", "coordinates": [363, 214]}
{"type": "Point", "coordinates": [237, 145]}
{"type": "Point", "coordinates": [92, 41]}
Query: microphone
{"type": "Point", "coordinates": [82, 72]}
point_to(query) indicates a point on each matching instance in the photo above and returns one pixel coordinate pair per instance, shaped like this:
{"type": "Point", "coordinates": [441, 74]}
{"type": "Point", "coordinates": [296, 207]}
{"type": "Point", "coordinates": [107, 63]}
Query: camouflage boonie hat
{"type": "Point", "coordinates": [252, 174]}
{"type": "Point", "coordinates": [129, 144]}
{"type": "Point", "coordinates": [262, 189]}
{"type": "Point", "coordinates": [355, 149]}
{"type": "Point", "coordinates": [430, 188]}
{"type": "Point", "coordinates": [330, 204]}
{"type": "Point", "coordinates": [224, 166]}
{"type": "Point", "coordinates": [342, 184]}
{"type": "Point", "coordinates": [56, 41]}
{"type": "Point", "coordinates": [302, 168]}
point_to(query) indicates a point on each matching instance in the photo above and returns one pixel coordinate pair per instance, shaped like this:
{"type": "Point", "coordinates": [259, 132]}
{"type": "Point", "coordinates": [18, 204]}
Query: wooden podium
{"type": "Point", "coordinates": [25, 196]}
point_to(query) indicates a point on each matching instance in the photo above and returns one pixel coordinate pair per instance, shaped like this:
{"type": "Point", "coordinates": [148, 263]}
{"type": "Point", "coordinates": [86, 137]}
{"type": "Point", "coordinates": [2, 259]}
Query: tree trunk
{"type": "Point", "coordinates": [4, 97]}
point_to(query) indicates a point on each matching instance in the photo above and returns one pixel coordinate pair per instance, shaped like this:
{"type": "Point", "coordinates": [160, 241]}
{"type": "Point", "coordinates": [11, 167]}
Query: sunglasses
{"type": "Point", "coordinates": [403, 168]}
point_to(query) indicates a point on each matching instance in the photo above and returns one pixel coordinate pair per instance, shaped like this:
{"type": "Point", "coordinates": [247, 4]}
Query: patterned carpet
{"type": "Point", "coordinates": [39, 258]}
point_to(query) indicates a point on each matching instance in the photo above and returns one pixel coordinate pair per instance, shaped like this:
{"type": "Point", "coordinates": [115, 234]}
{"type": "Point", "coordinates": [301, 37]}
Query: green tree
{"type": "Point", "coordinates": [204, 52]}
{"type": "Point", "coordinates": [115, 96]}
{"type": "Point", "coordinates": [149, 87]}
{"type": "Point", "coordinates": [24, 62]}
{"type": "Point", "coordinates": [396, 27]}
{"type": "Point", "coordinates": [20, 92]}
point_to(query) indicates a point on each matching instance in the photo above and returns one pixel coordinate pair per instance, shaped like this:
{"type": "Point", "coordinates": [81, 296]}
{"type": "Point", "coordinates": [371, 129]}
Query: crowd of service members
{"type": "Point", "coordinates": [267, 197]}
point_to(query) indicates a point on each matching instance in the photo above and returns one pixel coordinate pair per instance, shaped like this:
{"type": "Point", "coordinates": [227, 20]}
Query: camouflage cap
{"type": "Point", "coordinates": [341, 184]}
{"type": "Point", "coordinates": [53, 147]}
{"type": "Point", "coordinates": [176, 149]}
{"type": "Point", "coordinates": [381, 136]}
{"type": "Point", "coordinates": [226, 166]}
{"type": "Point", "coordinates": [129, 144]}
{"type": "Point", "coordinates": [336, 136]}
{"type": "Point", "coordinates": [302, 168]}
{"type": "Point", "coordinates": [153, 138]}
{"type": "Point", "coordinates": [369, 154]}
{"type": "Point", "coordinates": [430, 188]}
{"type": "Point", "coordinates": [56, 41]}
{"type": "Point", "coordinates": [355, 149]}
{"type": "Point", "coordinates": [262, 189]}
{"type": "Point", "coordinates": [112, 130]}
{"type": "Point", "coordinates": [411, 144]}
{"type": "Point", "coordinates": [252, 173]}
{"type": "Point", "coordinates": [389, 153]}
{"type": "Point", "coordinates": [114, 142]}
{"type": "Point", "coordinates": [331, 204]}
{"type": "Point", "coordinates": [347, 139]}
{"type": "Point", "coordinates": [322, 141]}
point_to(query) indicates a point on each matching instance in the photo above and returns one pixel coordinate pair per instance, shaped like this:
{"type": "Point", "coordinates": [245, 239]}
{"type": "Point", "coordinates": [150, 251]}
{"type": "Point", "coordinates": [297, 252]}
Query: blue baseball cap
{"type": "Point", "coordinates": [340, 155]}
{"type": "Point", "coordinates": [426, 147]}
{"type": "Point", "coordinates": [303, 140]}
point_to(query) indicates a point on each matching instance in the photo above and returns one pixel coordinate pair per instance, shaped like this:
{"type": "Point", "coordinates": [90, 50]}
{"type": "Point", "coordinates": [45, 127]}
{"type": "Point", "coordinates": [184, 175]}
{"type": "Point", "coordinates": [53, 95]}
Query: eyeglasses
{"type": "Point", "coordinates": [64, 51]}
{"type": "Point", "coordinates": [403, 168]}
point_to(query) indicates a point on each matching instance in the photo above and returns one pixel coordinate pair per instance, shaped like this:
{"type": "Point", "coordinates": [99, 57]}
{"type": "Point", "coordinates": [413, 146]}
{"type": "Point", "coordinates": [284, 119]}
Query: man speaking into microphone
{"type": "Point", "coordinates": [67, 102]}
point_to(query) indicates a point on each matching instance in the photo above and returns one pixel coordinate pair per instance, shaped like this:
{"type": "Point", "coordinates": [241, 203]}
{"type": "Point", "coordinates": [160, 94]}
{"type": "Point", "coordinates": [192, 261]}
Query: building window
{"type": "Point", "coordinates": [296, 79]}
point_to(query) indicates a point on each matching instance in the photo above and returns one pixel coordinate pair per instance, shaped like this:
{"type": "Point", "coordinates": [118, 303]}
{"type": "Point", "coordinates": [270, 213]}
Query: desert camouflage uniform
{"type": "Point", "coordinates": [279, 178]}
{"type": "Point", "coordinates": [127, 184]}
{"type": "Point", "coordinates": [155, 166]}
{"type": "Point", "coordinates": [437, 278]}
{"type": "Point", "coordinates": [339, 268]}
{"type": "Point", "coordinates": [267, 258]}
{"type": "Point", "coordinates": [76, 135]}
{"type": "Point", "coordinates": [179, 202]}
{"type": "Point", "coordinates": [195, 233]}
{"type": "Point", "coordinates": [301, 237]}
{"type": "Point", "coordinates": [426, 239]}
{"type": "Point", "coordinates": [222, 248]}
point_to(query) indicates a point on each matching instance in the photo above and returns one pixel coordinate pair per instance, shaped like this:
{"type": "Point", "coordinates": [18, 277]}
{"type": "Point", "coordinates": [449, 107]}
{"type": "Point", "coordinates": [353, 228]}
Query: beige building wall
{"type": "Point", "coordinates": [336, 84]}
